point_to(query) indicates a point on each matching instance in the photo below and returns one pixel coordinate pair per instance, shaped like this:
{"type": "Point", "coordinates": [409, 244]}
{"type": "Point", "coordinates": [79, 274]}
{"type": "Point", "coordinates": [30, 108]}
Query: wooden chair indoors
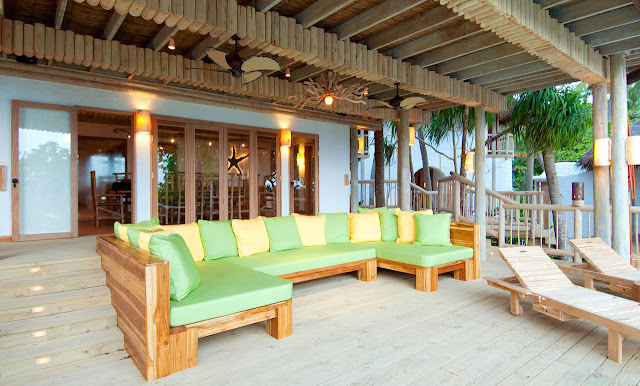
{"type": "Point", "coordinates": [106, 206]}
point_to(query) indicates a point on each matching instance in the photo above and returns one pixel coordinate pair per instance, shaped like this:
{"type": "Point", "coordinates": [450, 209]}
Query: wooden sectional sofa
{"type": "Point", "coordinates": [139, 283]}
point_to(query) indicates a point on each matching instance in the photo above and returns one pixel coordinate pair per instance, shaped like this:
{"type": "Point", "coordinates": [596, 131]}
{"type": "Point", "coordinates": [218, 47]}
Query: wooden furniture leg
{"type": "Point", "coordinates": [588, 282]}
{"type": "Point", "coordinates": [183, 345]}
{"type": "Point", "coordinates": [615, 345]}
{"type": "Point", "coordinates": [466, 272]}
{"type": "Point", "coordinates": [369, 272]}
{"type": "Point", "coordinates": [635, 294]}
{"type": "Point", "coordinates": [427, 279]}
{"type": "Point", "coordinates": [281, 325]}
{"type": "Point", "coordinates": [516, 308]}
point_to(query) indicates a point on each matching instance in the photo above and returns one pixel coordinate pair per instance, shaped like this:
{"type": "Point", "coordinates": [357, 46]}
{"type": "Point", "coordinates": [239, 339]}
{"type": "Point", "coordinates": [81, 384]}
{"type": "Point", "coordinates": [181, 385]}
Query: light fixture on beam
{"type": "Point", "coordinates": [285, 137]}
{"type": "Point", "coordinates": [412, 135]}
{"type": "Point", "coordinates": [287, 73]}
{"type": "Point", "coordinates": [470, 162]}
{"type": "Point", "coordinates": [601, 152]}
{"type": "Point", "coordinates": [172, 44]}
{"type": "Point", "coordinates": [633, 150]}
{"type": "Point", "coordinates": [328, 100]}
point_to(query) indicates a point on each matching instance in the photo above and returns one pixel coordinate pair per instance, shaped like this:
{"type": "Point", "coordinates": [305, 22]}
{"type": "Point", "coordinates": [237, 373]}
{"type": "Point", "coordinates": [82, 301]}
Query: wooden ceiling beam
{"type": "Point", "coordinates": [373, 16]}
{"type": "Point", "coordinates": [266, 5]}
{"type": "Point", "coordinates": [456, 50]}
{"type": "Point", "coordinates": [546, 4]}
{"type": "Point", "coordinates": [558, 79]}
{"type": "Point", "coordinates": [162, 37]}
{"type": "Point", "coordinates": [636, 3]}
{"type": "Point", "coordinates": [585, 9]}
{"type": "Point", "coordinates": [618, 47]}
{"type": "Point", "coordinates": [527, 25]}
{"type": "Point", "coordinates": [544, 74]}
{"type": "Point", "coordinates": [200, 50]}
{"type": "Point", "coordinates": [320, 10]}
{"type": "Point", "coordinates": [60, 9]}
{"type": "Point", "coordinates": [115, 21]}
{"type": "Point", "coordinates": [511, 73]}
{"type": "Point", "coordinates": [633, 77]}
{"type": "Point", "coordinates": [613, 35]}
{"type": "Point", "coordinates": [436, 40]}
{"type": "Point", "coordinates": [428, 21]}
{"type": "Point", "coordinates": [303, 73]}
{"type": "Point", "coordinates": [500, 64]}
{"type": "Point", "coordinates": [605, 21]}
{"type": "Point", "coordinates": [540, 86]}
{"type": "Point", "coordinates": [477, 58]}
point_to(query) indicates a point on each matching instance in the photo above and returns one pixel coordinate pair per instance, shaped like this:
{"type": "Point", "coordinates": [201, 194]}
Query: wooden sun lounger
{"type": "Point", "coordinates": [606, 265]}
{"type": "Point", "coordinates": [540, 280]}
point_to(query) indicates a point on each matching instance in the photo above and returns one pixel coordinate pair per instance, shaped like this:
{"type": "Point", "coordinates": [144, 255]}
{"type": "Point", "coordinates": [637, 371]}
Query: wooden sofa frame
{"type": "Point", "coordinates": [139, 284]}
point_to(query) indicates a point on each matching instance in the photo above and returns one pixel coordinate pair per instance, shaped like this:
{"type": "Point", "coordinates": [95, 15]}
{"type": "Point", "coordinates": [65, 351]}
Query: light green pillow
{"type": "Point", "coordinates": [433, 229]}
{"type": "Point", "coordinates": [365, 210]}
{"type": "Point", "coordinates": [336, 228]}
{"type": "Point", "coordinates": [142, 224]}
{"type": "Point", "coordinates": [283, 233]}
{"type": "Point", "coordinates": [389, 225]}
{"type": "Point", "coordinates": [183, 275]}
{"type": "Point", "coordinates": [218, 239]}
{"type": "Point", "coordinates": [133, 233]}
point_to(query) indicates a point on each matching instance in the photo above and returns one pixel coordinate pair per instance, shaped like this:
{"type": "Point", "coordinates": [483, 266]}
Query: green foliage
{"type": "Point", "coordinates": [573, 153]}
{"type": "Point", "coordinates": [519, 168]}
{"type": "Point", "coordinates": [445, 120]}
{"type": "Point", "coordinates": [634, 101]}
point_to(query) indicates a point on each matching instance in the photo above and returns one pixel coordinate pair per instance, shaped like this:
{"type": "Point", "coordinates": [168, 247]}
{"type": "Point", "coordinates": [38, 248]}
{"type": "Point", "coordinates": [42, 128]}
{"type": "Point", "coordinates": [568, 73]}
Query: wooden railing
{"type": "Point", "coordinates": [420, 198]}
{"type": "Point", "coordinates": [502, 147]}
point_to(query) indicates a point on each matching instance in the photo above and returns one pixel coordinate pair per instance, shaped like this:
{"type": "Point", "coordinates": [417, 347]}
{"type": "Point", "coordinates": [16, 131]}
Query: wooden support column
{"type": "Point", "coordinates": [353, 152]}
{"type": "Point", "coordinates": [620, 237]}
{"type": "Point", "coordinates": [494, 171]}
{"type": "Point", "coordinates": [601, 186]}
{"type": "Point", "coordinates": [378, 138]}
{"type": "Point", "coordinates": [404, 174]}
{"type": "Point", "coordinates": [481, 195]}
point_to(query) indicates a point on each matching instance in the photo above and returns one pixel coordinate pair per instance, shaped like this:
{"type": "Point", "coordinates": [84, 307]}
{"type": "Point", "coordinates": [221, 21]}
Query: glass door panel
{"type": "Point", "coordinates": [267, 175]}
{"type": "Point", "coordinates": [303, 175]}
{"type": "Point", "coordinates": [46, 167]}
{"type": "Point", "coordinates": [238, 174]}
{"type": "Point", "coordinates": [171, 175]}
{"type": "Point", "coordinates": [207, 181]}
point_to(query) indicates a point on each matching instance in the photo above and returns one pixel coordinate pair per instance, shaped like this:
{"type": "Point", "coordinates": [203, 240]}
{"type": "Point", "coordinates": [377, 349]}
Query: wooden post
{"type": "Point", "coordinates": [577, 231]}
{"type": "Point", "coordinates": [501, 221]}
{"type": "Point", "coordinates": [481, 195]}
{"type": "Point", "coordinates": [456, 200]}
{"type": "Point", "coordinates": [619, 172]}
{"type": "Point", "coordinates": [494, 171]}
{"type": "Point", "coordinates": [381, 199]}
{"type": "Point", "coordinates": [601, 185]}
{"type": "Point", "coordinates": [404, 175]}
{"type": "Point", "coordinates": [353, 151]}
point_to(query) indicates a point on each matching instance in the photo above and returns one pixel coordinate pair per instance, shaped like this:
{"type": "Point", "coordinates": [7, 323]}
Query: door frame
{"type": "Point", "coordinates": [15, 170]}
{"type": "Point", "coordinates": [316, 165]}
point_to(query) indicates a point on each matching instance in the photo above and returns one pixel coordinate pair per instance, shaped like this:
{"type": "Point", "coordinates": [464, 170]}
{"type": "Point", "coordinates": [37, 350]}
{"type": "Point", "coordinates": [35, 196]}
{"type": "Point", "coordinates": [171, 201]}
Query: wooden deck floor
{"type": "Point", "coordinates": [385, 332]}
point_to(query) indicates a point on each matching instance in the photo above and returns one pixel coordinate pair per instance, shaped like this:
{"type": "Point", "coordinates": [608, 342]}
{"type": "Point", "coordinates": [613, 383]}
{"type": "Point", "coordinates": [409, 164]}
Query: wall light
{"type": "Point", "coordinates": [360, 145]}
{"type": "Point", "coordinates": [285, 137]}
{"type": "Point", "coordinates": [143, 121]}
{"type": "Point", "coordinates": [412, 135]}
{"type": "Point", "coordinates": [470, 162]}
{"type": "Point", "coordinates": [602, 152]}
{"type": "Point", "coordinates": [577, 193]}
{"type": "Point", "coordinates": [633, 150]}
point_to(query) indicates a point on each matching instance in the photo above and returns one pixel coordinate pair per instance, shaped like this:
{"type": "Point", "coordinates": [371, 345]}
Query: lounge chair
{"type": "Point", "coordinates": [538, 278]}
{"type": "Point", "coordinates": [606, 265]}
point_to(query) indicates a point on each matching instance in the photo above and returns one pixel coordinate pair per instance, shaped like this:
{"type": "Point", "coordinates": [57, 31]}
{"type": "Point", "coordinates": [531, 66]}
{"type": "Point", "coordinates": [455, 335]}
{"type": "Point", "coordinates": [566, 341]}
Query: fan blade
{"type": "Point", "coordinates": [219, 58]}
{"type": "Point", "coordinates": [384, 104]}
{"type": "Point", "coordinates": [409, 103]}
{"type": "Point", "coordinates": [380, 107]}
{"type": "Point", "coordinates": [260, 64]}
{"type": "Point", "coordinates": [206, 69]}
{"type": "Point", "coordinates": [250, 76]}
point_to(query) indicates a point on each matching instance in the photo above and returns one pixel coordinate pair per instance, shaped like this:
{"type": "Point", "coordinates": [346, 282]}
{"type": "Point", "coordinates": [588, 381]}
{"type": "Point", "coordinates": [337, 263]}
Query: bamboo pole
{"type": "Point", "coordinates": [601, 189]}
{"type": "Point", "coordinates": [480, 194]}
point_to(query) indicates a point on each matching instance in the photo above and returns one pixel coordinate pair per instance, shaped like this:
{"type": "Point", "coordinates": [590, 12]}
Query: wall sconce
{"type": "Point", "coordinates": [285, 137]}
{"type": "Point", "coordinates": [470, 162]}
{"type": "Point", "coordinates": [360, 145]}
{"type": "Point", "coordinates": [577, 193]}
{"type": "Point", "coordinates": [602, 152]}
{"type": "Point", "coordinates": [143, 121]}
{"type": "Point", "coordinates": [412, 135]}
{"type": "Point", "coordinates": [633, 150]}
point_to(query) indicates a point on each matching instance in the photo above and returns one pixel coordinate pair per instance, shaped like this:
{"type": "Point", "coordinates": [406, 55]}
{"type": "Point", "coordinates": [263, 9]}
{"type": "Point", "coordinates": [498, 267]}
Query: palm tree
{"type": "Point", "coordinates": [546, 121]}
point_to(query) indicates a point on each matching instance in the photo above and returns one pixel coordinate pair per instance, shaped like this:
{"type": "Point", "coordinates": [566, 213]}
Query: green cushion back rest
{"type": "Point", "coordinates": [133, 234]}
{"type": "Point", "coordinates": [365, 210]}
{"type": "Point", "coordinates": [183, 275]}
{"type": "Point", "coordinates": [336, 228]}
{"type": "Point", "coordinates": [433, 229]}
{"type": "Point", "coordinates": [218, 239]}
{"type": "Point", "coordinates": [142, 224]}
{"type": "Point", "coordinates": [283, 233]}
{"type": "Point", "coordinates": [389, 225]}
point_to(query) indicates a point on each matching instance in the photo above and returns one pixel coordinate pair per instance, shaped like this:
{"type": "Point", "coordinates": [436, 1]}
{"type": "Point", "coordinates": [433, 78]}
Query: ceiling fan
{"type": "Point", "coordinates": [249, 69]}
{"type": "Point", "coordinates": [398, 102]}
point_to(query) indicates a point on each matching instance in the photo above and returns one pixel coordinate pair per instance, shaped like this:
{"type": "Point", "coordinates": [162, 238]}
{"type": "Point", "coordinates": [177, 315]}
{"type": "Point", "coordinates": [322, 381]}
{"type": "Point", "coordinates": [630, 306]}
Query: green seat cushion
{"type": "Point", "coordinates": [283, 233]}
{"type": "Point", "coordinates": [423, 256]}
{"type": "Point", "coordinates": [183, 275]}
{"type": "Point", "coordinates": [433, 229]}
{"type": "Point", "coordinates": [227, 288]}
{"type": "Point", "coordinates": [336, 228]}
{"type": "Point", "coordinates": [133, 233]}
{"type": "Point", "coordinates": [366, 210]}
{"type": "Point", "coordinates": [307, 258]}
{"type": "Point", "coordinates": [218, 239]}
{"type": "Point", "coordinates": [142, 224]}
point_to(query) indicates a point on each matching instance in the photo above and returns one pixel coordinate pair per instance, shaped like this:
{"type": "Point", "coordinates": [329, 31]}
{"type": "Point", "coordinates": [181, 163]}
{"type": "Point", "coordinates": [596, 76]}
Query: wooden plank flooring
{"type": "Point", "coordinates": [385, 332]}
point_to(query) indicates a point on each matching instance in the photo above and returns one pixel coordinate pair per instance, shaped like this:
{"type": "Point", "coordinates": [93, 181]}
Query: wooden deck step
{"type": "Point", "coordinates": [45, 267]}
{"type": "Point", "coordinates": [44, 328]}
{"type": "Point", "coordinates": [47, 284]}
{"type": "Point", "coordinates": [41, 305]}
{"type": "Point", "coordinates": [22, 359]}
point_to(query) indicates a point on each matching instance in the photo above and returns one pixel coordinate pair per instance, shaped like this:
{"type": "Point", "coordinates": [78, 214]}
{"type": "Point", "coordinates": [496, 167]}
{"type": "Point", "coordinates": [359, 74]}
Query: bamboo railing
{"type": "Point", "coordinates": [421, 199]}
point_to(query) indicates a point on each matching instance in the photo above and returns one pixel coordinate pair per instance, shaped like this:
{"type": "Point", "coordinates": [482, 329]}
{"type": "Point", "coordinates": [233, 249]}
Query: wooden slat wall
{"type": "Point", "coordinates": [525, 24]}
{"type": "Point", "coordinates": [282, 36]}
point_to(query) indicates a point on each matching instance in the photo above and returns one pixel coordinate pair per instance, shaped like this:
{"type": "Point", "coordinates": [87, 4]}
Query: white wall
{"type": "Point", "coordinates": [333, 148]}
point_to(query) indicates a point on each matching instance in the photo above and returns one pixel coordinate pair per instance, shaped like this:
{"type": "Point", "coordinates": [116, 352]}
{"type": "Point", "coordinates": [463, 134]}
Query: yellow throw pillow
{"type": "Point", "coordinates": [407, 226]}
{"type": "Point", "coordinates": [123, 230]}
{"type": "Point", "coordinates": [191, 235]}
{"type": "Point", "coordinates": [311, 229]}
{"type": "Point", "coordinates": [364, 227]}
{"type": "Point", "coordinates": [145, 237]}
{"type": "Point", "coordinates": [251, 236]}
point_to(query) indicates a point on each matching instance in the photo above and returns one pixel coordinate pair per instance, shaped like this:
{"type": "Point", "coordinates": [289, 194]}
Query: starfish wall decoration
{"type": "Point", "coordinates": [235, 162]}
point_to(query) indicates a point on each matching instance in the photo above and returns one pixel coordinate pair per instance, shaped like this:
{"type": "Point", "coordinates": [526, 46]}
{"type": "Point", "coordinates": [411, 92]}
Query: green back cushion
{"type": "Point", "coordinates": [433, 229]}
{"type": "Point", "coordinates": [389, 225]}
{"type": "Point", "coordinates": [142, 224]}
{"type": "Point", "coordinates": [336, 228]}
{"type": "Point", "coordinates": [365, 210]}
{"type": "Point", "coordinates": [183, 275]}
{"type": "Point", "coordinates": [283, 233]}
{"type": "Point", "coordinates": [218, 239]}
{"type": "Point", "coordinates": [133, 233]}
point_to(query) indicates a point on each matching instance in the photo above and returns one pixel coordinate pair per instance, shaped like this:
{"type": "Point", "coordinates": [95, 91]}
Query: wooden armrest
{"type": "Point", "coordinates": [505, 284]}
{"type": "Point", "coordinates": [584, 271]}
